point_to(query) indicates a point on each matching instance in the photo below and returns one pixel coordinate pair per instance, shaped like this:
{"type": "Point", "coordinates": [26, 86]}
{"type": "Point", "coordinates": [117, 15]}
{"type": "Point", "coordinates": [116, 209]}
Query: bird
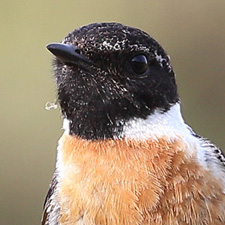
{"type": "Point", "coordinates": [126, 155]}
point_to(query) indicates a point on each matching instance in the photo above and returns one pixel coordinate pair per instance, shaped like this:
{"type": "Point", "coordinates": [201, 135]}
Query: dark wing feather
{"type": "Point", "coordinates": [50, 205]}
{"type": "Point", "coordinates": [213, 153]}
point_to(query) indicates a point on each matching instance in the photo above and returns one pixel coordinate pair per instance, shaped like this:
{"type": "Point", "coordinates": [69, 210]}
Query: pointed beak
{"type": "Point", "coordinates": [69, 54]}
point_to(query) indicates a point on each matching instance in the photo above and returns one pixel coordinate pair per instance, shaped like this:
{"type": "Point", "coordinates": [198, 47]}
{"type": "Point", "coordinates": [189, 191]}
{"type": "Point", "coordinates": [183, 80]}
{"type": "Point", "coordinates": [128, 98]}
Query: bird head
{"type": "Point", "coordinates": [108, 74]}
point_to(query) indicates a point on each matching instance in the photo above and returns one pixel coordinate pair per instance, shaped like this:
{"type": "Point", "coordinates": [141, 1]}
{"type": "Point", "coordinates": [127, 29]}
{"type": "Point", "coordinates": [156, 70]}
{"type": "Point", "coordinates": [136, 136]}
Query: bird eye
{"type": "Point", "coordinates": [139, 64]}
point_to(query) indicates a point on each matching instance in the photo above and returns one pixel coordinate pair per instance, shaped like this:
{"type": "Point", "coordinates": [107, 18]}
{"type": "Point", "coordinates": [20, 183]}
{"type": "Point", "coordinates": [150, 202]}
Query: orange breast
{"type": "Point", "coordinates": [136, 183]}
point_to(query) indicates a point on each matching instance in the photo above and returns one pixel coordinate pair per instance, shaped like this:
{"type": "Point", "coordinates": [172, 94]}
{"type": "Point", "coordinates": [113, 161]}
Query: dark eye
{"type": "Point", "coordinates": [139, 64]}
{"type": "Point", "coordinates": [77, 50]}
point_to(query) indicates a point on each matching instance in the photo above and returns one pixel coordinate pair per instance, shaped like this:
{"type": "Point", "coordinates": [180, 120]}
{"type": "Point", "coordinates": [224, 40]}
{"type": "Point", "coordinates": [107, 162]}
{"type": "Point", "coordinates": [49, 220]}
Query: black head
{"type": "Point", "coordinates": [107, 74]}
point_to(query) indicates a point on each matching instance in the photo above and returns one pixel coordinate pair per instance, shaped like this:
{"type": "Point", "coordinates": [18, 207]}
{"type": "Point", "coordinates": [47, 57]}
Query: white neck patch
{"type": "Point", "coordinates": [160, 124]}
{"type": "Point", "coordinates": [157, 125]}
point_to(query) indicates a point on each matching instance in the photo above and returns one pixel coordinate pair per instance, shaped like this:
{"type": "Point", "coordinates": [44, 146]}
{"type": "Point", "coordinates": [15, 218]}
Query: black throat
{"type": "Point", "coordinates": [98, 107]}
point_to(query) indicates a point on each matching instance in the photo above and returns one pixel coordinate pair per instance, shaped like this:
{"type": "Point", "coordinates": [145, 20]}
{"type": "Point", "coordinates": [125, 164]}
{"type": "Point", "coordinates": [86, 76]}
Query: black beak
{"type": "Point", "coordinates": [69, 54]}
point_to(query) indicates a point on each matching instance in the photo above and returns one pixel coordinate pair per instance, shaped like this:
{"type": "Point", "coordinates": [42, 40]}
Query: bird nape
{"type": "Point", "coordinates": [127, 156]}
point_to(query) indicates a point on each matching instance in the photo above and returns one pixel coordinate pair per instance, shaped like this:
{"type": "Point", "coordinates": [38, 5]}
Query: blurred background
{"type": "Point", "coordinates": [192, 32]}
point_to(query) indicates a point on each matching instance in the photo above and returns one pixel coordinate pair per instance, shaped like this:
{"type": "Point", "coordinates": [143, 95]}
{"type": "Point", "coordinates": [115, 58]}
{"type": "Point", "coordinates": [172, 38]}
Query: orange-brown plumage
{"type": "Point", "coordinates": [132, 182]}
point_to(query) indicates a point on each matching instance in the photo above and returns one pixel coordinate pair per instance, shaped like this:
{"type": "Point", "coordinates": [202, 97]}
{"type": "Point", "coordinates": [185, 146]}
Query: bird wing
{"type": "Point", "coordinates": [213, 153]}
{"type": "Point", "coordinates": [51, 207]}
{"type": "Point", "coordinates": [214, 158]}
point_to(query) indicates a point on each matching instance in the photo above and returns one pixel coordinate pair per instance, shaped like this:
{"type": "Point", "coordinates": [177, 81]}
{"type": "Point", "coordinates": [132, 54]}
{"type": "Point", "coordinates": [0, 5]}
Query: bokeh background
{"type": "Point", "coordinates": [192, 32]}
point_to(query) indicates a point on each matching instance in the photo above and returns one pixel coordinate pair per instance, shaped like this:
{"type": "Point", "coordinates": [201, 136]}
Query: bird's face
{"type": "Point", "coordinates": [107, 74]}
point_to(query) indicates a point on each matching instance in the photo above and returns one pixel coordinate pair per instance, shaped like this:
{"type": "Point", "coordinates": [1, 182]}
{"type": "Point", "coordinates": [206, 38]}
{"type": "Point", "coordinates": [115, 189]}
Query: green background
{"type": "Point", "coordinates": [192, 32]}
